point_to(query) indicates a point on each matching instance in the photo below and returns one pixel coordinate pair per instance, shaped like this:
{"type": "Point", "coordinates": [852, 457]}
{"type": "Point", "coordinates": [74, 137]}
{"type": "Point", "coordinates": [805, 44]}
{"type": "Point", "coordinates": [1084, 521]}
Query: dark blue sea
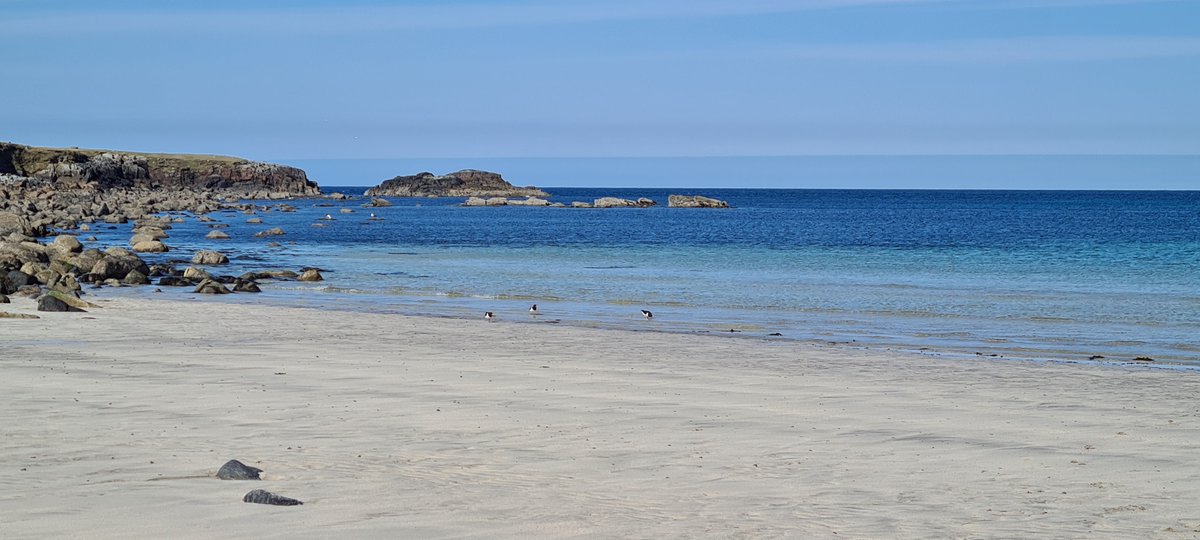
{"type": "Point", "coordinates": [1031, 274]}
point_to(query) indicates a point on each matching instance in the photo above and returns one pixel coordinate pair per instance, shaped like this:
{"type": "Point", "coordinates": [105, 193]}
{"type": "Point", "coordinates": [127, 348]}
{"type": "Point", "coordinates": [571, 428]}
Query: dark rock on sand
{"type": "Point", "coordinates": [4, 299]}
{"type": "Point", "coordinates": [174, 281]}
{"type": "Point", "coordinates": [51, 303]}
{"type": "Point", "coordinates": [260, 496]}
{"type": "Point", "coordinates": [236, 470]}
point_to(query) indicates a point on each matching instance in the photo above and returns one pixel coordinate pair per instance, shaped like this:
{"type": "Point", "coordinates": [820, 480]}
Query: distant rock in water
{"type": "Point", "coordinates": [616, 202]}
{"type": "Point", "coordinates": [464, 183]}
{"type": "Point", "coordinates": [695, 201]}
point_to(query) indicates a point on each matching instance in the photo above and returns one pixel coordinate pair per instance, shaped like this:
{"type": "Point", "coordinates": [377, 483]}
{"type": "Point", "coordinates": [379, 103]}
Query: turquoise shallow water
{"type": "Point", "coordinates": [1029, 274]}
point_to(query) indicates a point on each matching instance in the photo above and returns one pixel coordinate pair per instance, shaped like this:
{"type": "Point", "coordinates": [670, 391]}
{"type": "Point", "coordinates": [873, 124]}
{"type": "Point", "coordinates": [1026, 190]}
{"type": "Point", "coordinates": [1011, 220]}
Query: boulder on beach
{"type": "Point", "coordinates": [53, 303]}
{"type": "Point", "coordinates": [695, 201]}
{"type": "Point", "coordinates": [209, 257]}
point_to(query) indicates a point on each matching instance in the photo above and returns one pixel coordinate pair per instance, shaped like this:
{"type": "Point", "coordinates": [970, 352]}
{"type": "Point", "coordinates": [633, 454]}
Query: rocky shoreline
{"type": "Point", "coordinates": [64, 192]}
{"type": "Point", "coordinates": [50, 191]}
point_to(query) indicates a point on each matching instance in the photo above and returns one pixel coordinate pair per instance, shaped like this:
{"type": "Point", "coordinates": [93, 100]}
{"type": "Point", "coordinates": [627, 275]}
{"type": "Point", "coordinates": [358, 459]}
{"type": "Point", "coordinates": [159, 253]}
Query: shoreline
{"type": "Point", "coordinates": [307, 298]}
{"type": "Point", "coordinates": [388, 425]}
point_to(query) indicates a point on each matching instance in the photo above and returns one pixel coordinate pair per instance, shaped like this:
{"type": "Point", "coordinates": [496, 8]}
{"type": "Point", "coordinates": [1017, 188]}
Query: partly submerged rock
{"type": "Point", "coordinates": [262, 496]}
{"type": "Point", "coordinates": [217, 235]}
{"type": "Point", "coordinates": [209, 286]}
{"type": "Point", "coordinates": [209, 257]}
{"type": "Point", "coordinates": [236, 470]}
{"type": "Point", "coordinates": [276, 231]}
{"type": "Point", "coordinates": [150, 246]}
{"type": "Point", "coordinates": [245, 286]}
{"type": "Point", "coordinates": [310, 274]}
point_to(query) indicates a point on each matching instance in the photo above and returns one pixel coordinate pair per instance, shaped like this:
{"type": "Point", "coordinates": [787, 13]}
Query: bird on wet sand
{"type": "Point", "coordinates": [647, 314]}
{"type": "Point", "coordinates": [533, 310]}
{"type": "Point", "coordinates": [487, 315]}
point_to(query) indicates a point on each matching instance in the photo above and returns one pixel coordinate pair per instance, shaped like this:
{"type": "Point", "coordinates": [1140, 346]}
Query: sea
{"type": "Point", "coordinates": [1060, 275]}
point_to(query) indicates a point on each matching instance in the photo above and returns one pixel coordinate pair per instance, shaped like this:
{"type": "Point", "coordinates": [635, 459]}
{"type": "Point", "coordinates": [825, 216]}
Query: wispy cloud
{"type": "Point", "coordinates": [51, 18]}
{"type": "Point", "coordinates": [999, 50]}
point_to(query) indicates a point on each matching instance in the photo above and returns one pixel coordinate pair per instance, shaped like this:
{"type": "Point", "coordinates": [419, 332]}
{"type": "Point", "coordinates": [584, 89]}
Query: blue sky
{"type": "Point", "coordinates": [359, 79]}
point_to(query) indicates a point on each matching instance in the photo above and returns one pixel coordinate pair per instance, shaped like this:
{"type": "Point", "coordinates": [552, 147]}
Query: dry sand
{"type": "Point", "coordinates": [399, 427]}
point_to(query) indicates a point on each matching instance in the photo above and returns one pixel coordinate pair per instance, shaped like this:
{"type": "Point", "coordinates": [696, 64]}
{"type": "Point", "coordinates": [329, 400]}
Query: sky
{"type": "Point", "coordinates": [311, 80]}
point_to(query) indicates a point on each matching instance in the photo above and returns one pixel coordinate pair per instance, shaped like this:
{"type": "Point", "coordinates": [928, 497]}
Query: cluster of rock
{"type": "Point", "coordinates": [42, 189]}
{"type": "Point", "coordinates": [54, 273]}
{"type": "Point", "coordinates": [674, 201]}
{"type": "Point", "coordinates": [502, 201]}
{"type": "Point", "coordinates": [464, 183]}
{"type": "Point", "coordinates": [236, 470]}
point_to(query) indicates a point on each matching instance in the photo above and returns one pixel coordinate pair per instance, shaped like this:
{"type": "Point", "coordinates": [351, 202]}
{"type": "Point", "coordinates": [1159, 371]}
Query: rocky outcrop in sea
{"type": "Point", "coordinates": [464, 183]}
{"type": "Point", "coordinates": [694, 201]}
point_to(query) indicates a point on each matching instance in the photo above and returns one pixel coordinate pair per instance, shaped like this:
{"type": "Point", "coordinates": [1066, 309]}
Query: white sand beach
{"type": "Point", "coordinates": [387, 426]}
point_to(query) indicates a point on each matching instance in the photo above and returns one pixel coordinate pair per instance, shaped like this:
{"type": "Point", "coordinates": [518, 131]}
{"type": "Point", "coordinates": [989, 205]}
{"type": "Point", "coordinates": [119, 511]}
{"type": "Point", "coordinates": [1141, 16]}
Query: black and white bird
{"type": "Point", "coordinates": [647, 314]}
{"type": "Point", "coordinates": [533, 310]}
{"type": "Point", "coordinates": [488, 315]}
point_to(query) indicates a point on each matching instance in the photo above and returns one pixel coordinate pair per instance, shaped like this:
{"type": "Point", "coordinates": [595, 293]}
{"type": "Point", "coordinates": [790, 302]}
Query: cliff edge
{"type": "Point", "coordinates": [73, 168]}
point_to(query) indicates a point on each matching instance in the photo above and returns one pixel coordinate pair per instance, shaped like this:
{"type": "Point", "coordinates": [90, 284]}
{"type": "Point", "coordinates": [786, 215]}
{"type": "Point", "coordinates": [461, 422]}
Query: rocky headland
{"type": "Point", "coordinates": [42, 189]}
{"type": "Point", "coordinates": [464, 183]}
{"type": "Point", "coordinates": [56, 191]}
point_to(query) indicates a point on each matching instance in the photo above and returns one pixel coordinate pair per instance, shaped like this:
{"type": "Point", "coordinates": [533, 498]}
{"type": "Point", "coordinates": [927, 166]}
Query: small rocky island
{"type": "Point", "coordinates": [464, 183]}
